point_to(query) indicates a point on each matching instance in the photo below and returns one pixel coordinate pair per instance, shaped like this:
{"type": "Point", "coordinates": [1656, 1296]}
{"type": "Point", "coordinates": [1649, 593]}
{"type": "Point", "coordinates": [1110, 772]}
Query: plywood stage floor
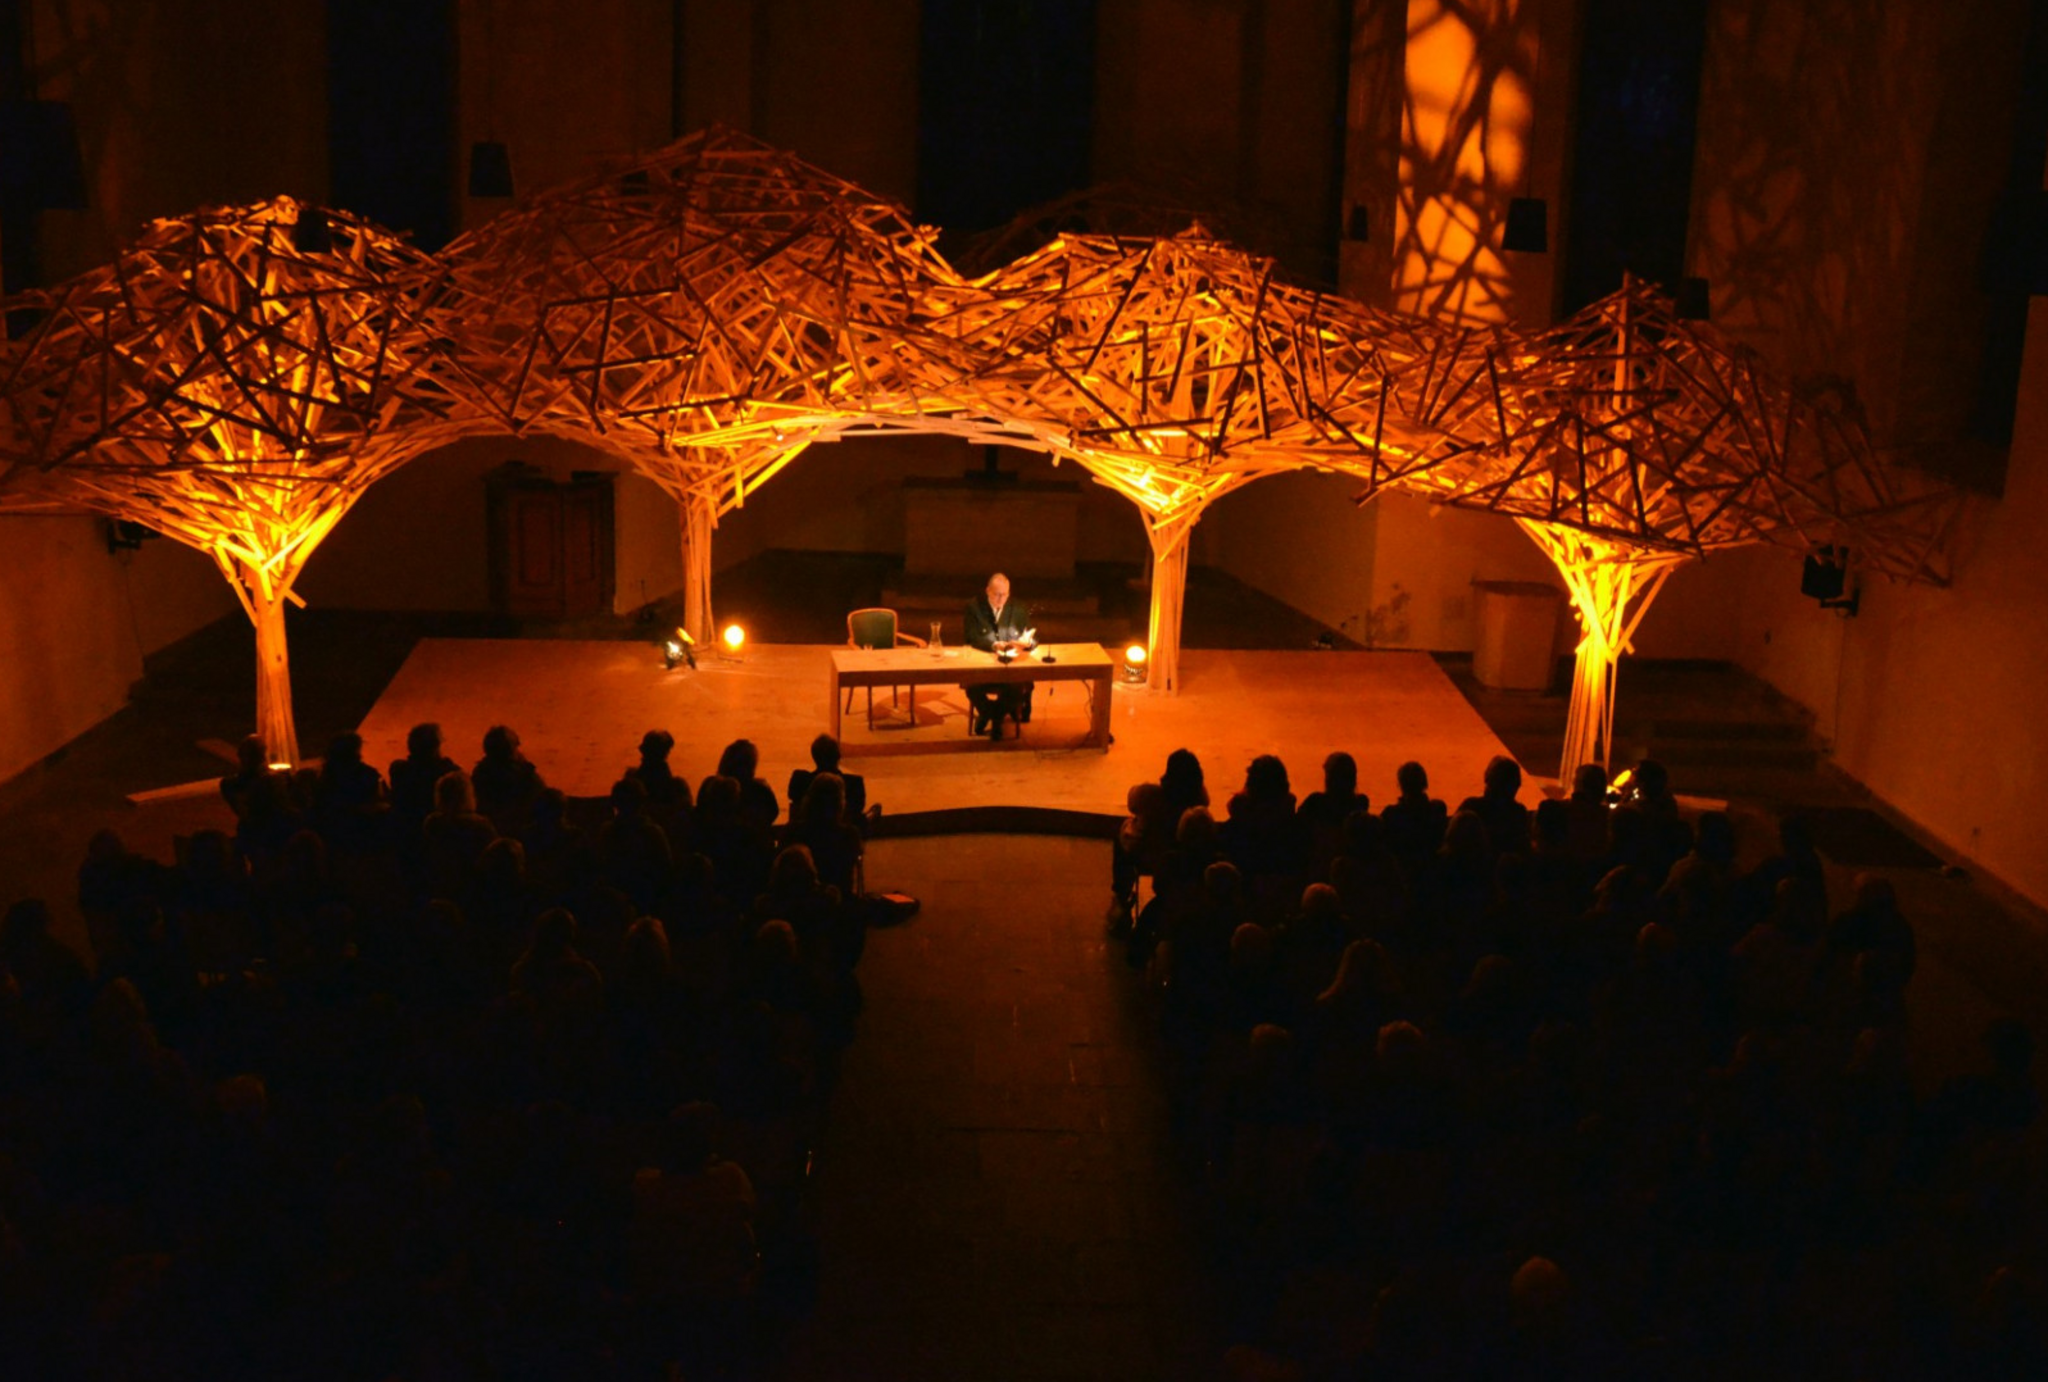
{"type": "Point", "coordinates": [581, 707]}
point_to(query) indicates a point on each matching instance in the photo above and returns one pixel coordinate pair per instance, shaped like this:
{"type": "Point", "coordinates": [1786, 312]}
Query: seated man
{"type": "Point", "coordinates": [996, 622]}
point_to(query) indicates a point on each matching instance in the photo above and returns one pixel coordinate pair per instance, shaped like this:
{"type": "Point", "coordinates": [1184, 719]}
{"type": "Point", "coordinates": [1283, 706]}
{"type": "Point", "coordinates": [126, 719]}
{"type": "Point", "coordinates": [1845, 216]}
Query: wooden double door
{"type": "Point", "coordinates": [551, 545]}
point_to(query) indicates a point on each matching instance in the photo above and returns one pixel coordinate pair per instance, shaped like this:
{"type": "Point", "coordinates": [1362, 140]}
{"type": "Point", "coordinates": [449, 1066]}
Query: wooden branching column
{"type": "Point", "coordinates": [1169, 591]}
{"type": "Point", "coordinates": [1612, 586]}
{"type": "Point", "coordinates": [700, 517]}
{"type": "Point", "coordinates": [705, 312]}
{"type": "Point", "coordinates": [235, 380]}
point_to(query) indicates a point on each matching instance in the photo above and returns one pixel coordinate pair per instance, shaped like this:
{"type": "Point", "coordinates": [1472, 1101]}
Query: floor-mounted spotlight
{"type": "Point", "coordinates": [732, 641]}
{"type": "Point", "coordinates": [1133, 671]}
{"type": "Point", "coordinates": [679, 647]}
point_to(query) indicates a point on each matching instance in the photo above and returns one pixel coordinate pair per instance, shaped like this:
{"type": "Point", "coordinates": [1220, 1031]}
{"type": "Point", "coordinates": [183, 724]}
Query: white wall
{"type": "Point", "coordinates": [847, 496]}
{"type": "Point", "coordinates": [418, 539]}
{"type": "Point", "coordinates": [76, 623]}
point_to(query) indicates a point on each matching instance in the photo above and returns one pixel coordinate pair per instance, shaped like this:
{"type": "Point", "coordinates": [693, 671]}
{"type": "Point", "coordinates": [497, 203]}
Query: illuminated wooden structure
{"type": "Point", "coordinates": [1176, 370]}
{"type": "Point", "coordinates": [704, 313]}
{"type": "Point", "coordinates": [708, 311]}
{"type": "Point", "coordinates": [224, 388]}
{"type": "Point", "coordinates": [1628, 440]}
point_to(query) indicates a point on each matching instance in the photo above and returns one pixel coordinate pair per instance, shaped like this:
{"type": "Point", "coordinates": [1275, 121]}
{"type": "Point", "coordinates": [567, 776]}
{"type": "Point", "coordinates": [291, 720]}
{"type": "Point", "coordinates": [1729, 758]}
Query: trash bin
{"type": "Point", "coordinates": [1517, 635]}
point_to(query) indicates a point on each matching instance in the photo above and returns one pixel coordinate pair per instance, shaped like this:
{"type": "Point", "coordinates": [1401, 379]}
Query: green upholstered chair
{"type": "Point", "coordinates": [876, 628]}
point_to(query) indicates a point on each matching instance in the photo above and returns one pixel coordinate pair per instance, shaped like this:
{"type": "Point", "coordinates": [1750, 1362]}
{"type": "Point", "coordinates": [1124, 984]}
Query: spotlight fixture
{"type": "Point", "coordinates": [310, 232]}
{"type": "Point", "coordinates": [734, 638]}
{"type": "Point", "coordinates": [679, 647]}
{"type": "Point", "coordinates": [1528, 226]}
{"type": "Point", "coordinates": [1825, 578]}
{"type": "Point", "coordinates": [1134, 664]}
{"type": "Point", "coordinates": [126, 536]}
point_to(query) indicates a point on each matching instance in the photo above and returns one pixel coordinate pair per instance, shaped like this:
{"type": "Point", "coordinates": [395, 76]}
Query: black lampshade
{"type": "Point", "coordinates": [40, 165]}
{"type": "Point", "coordinates": [490, 169]}
{"type": "Point", "coordinates": [1825, 575]}
{"type": "Point", "coordinates": [1528, 228]}
{"type": "Point", "coordinates": [310, 232]}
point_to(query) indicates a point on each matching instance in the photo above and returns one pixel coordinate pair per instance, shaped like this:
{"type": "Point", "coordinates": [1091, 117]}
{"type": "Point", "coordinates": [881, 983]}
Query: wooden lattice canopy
{"type": "Point", "coordinates": [707, 311]}
{"type": "Point", "coordinates": [226, 388]}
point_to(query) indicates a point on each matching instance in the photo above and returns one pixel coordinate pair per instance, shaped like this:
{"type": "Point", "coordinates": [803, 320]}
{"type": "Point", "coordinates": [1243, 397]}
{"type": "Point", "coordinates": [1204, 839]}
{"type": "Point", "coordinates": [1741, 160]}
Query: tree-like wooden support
{"type": "Point", "coordinates": [1612, 586]}
{"type": "Point", "coordinates": [228, 389]}
{"type": "Point", "coordinates": [700, 516]}
{"type": "Point", "coordinates": [1169, 593]}
{"type": "Point", "coordinates": [707, 311]}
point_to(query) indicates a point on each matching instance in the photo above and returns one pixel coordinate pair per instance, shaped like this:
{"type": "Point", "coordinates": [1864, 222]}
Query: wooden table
{"type": "Point", "coordinates": [1082, 662]}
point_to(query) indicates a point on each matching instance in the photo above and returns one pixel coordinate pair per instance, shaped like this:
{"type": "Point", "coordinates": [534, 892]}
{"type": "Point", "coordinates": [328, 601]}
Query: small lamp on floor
{"type": "Point", "coordinates": [732, 640]}
{"type": "Point", "coordinates": [1133, 672]}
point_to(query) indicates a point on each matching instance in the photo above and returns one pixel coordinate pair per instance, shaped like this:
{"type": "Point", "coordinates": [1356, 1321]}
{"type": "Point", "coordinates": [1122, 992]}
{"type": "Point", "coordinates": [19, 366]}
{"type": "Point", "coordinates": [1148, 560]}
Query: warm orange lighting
{"type": "Point", "coordinates": [734, 637]}
{"type": "Point", "coordinates": [1135, 658]}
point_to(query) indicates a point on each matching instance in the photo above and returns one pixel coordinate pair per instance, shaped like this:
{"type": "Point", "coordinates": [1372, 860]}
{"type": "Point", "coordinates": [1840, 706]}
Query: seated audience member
{"type": "Point", "coordinates": [1797, 862]}
{"type": "Point", "coordinates": [414, 777]}
{"type": "Point", "coordinates": [1183, 785]}
{"type": "Point", "coordinates": [109, 878]}
{"type": "Point", "coordinates": [263, 800]}
{"type": "Point", "coordinates": [1259, 834]}
{"type": "Point", "coordinates": [1323, 813]}
{"type": "Point", "coordinates": [825, 759]}
{"type": "Point", "coordinates": [741, 762]}
{"type": "Point", "coordinates": [39, 973]}
{"type": "Point", "coordinates": [454, 838]}
{"type": "Point", "coordinates": [632, 850]}
{"type": "Point", "coordinates": [564, 986]}
{"type": "Point", "coordinates": [2000, 1101]}
{"type": "Point", "coordinates": [819, 823]}
{"type": "Point", "coordinates": [740, 849]}
{"type": "Point", "coordinates": [690, 1244]}
{"type": "Point", "coordinates": [348, 796]}
{"type": "Point", "coordinates": [1178, 883]}
{"type": "Point", "coordinates": [504, 783]}
{"type": "Point", "coordinates": [1141, 843]}
{"type": "Point", "coordinates": [1507, 820]}
{"type": "Point", "coordinates": [1376, 887]}
{"type": "Point", "coordinates": [1588, 809]}
{"type": "Point", "coordinates": [666, 793]}
{"type": "Point", "coordinates": [1873, 925]}
{"type": "Point", "coordinates": [1414, 821]}
{"type": "Point", "coordinates": [553, 842]}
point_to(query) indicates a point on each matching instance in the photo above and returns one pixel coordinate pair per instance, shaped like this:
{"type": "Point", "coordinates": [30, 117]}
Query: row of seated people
{"type": "Point", "coordinates": [1568, 1091]}
{"type": "Point", "coordinates": [383, 1085]}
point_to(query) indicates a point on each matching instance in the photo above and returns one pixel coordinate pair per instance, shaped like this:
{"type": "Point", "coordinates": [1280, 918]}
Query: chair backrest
{"type": "Point", "coordinates": [871, 628]}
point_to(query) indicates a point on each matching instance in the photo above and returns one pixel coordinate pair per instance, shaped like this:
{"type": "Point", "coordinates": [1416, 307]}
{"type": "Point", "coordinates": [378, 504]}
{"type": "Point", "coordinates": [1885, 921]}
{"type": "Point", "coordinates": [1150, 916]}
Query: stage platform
{"type": "Point", "coordinates": [581, 707]}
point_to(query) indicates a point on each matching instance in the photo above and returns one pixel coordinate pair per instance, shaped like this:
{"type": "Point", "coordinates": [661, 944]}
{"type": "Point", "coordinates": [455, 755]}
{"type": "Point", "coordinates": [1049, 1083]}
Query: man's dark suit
{"type": "Point", "coordinates": [985, 629]}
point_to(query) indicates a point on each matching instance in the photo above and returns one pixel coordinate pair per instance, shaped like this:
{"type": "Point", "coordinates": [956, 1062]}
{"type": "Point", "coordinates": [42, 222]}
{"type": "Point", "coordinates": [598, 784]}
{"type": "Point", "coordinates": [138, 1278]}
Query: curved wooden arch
{"type": "Point", "coordinates": [708, 311]}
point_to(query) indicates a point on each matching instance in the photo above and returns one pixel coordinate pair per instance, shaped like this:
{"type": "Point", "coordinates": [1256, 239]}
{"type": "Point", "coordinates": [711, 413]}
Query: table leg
{"type": "Point", "coordinates": [1099, 706]}
{"type": "Point", "coordinates": [833, 679]}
